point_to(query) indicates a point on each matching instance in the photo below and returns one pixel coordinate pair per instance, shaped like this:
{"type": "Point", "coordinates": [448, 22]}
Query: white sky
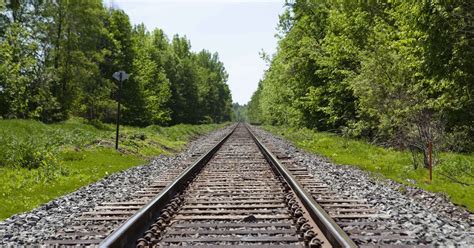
{"type": "Point", "coordinates": [237, 29]}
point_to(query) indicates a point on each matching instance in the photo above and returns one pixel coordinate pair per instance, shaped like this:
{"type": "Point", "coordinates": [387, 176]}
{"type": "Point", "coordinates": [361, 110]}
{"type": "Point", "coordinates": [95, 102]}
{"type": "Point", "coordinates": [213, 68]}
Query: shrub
{"type": "Point", "coordinates": [50, 168]}
{"type": "Point", "coordinates": [99, 125]}
{"type": "Point", "coordinates": [31, 153]}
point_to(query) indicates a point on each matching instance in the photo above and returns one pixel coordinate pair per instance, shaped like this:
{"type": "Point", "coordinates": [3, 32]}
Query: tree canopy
{"type": "Point", "coordinates": [397, 71]}
{"type": "Point", "coordinates": [57, 59]}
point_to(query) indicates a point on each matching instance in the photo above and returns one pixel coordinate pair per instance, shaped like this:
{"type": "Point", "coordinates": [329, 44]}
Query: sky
{"type": "Point", "coordinates": [237, 29]}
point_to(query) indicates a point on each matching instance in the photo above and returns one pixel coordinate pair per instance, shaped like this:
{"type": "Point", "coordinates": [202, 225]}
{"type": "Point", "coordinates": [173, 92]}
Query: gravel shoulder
{"type": "Point", "coordinates": [428, 217]}
{"type": "Point", "coordinates": [41, 224]}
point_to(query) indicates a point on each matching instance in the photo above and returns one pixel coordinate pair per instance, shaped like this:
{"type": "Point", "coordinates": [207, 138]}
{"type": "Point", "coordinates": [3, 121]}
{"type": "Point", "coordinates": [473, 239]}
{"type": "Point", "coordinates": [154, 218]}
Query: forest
{"type": "Point", "coordinates": [396, 73]}
{"type": "Point", "coordinates": [57, 59]}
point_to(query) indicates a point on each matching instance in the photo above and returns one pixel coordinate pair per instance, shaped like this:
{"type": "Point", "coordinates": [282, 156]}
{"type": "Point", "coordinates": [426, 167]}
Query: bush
{"type": "Point", "coordinates": [30, 153]}
{"type": "Point", "coordinates": [99, 125]}
{"type": "Point", "coordinates": [50, 168]}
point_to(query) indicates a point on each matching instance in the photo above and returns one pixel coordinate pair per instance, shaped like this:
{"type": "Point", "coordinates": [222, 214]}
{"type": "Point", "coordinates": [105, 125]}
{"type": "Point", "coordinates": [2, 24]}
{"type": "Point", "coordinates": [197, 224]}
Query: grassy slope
{"type": "Point", "coordinates": [82, 154]}
{"type": "Point", "coordinates": [396, 165]}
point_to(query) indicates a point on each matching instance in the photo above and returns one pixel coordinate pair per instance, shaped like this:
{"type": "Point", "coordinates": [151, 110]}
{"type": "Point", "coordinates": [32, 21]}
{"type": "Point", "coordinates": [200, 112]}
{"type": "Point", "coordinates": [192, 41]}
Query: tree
{"type": "Point", "coordinates": [121, 53]}
{"type": "Point", "coordinates": [75, 36]}
{"type": "Point", "coordinates": [150, 75]}
{"type": "Point", "coordinates": [184, 89]}
{"type": "Point", "coordinates": [372, 70]}
{"type": "Point", "coordinates": [253, 107]}
{"type": "Point", "coordinates": [239, 112]}
{"type": "Point", "coordinates": [16, 70]}
{"type": "Point", "coordinates": [58, 57]}
{"type": "Point", "coordinates": [24, 87]}
{"type": "Point", "coordinates": [214, 94]}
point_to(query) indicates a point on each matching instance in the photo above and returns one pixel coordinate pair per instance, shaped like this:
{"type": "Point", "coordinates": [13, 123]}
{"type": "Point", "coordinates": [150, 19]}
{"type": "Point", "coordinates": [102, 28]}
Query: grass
{"type": "Point", "coordinates": [390, 163]}
{"type": "Point", "coordinates": [39, 162]}
{"type": "Point", "coordinates": [21, 191]}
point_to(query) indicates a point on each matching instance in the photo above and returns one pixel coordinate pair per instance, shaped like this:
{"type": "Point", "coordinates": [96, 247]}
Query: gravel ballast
{"type": "Point", "coordinates": [428, 217]}
{"type": "Point", "coordinates": [42, 223]}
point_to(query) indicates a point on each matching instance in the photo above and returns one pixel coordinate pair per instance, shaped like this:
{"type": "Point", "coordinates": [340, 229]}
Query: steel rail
{"type": "Point", "coordinates": [130, 231]}
{"type": "Point", "coordinates": [335, 235]}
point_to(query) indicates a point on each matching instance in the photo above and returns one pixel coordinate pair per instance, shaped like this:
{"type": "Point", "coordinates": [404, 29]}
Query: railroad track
{"type": "Point", "coordinates": [237, 194]}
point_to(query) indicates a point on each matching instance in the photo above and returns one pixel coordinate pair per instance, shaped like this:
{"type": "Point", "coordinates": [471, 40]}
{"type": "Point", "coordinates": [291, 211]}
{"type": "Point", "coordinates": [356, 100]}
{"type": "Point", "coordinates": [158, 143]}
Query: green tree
{"type": "Point", "coordinates": [24, 87]}
{"type": "Point", "coordinates": [183, 79]}
{"type": "Point", "coordinates": [149, 73]}
{"type": "Point", "coordinates": [75, 36]}
{"type": "Point", "coordinates": [58, 57]}
{"type": "Point", "coordinates": [371, 69]}
{"type": "Point", "coordinates": [18, 62]}
{"type": "Point", "coordinates": [214, 94]}
{"type": "Point", "coordinates": [121, 53]}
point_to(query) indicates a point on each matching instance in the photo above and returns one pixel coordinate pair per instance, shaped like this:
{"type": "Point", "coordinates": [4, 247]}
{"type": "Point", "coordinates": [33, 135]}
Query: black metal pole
{"type": "Point", "coordinates": [118, 113]}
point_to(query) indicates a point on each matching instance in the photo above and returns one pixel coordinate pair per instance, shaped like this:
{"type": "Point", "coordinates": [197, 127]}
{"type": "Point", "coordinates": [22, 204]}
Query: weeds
{"type": "Point", "coordinates": [458, 170]}
{"type": "Point", "coordinates": [39, 162]}
{"type": "Point", "coordinates": [453, 175]}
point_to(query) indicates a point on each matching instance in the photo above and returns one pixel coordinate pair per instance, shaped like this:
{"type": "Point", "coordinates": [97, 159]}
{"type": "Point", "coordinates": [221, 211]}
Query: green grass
{"type": "Point", "coordinates": [21, 191]}
{"type": "Point", "coordinates": [39, 162]}
{"type": "Point", "coordinates": [389, 163]}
